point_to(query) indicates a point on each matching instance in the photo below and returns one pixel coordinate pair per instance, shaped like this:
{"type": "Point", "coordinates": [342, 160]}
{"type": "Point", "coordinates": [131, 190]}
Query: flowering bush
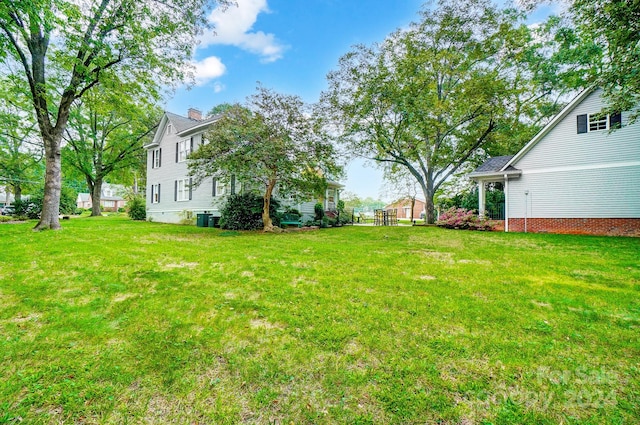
{"type": "Point", "coordinates": [459, 218]}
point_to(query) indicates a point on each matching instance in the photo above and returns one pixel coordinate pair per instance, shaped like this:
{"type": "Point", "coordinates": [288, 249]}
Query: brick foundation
{"type": "Point", "coordinates": [579, 226]}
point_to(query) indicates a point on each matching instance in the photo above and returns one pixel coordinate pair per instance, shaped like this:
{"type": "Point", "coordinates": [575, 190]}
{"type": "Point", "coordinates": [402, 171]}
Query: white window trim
{"type": "Point", "coordinates": [156, 158]}
{"type": "Point", "coordinates": [169, 128]}
{"type": "Point", "coordinates": [221, 188]}
{"type": "Point", "coordinates": [591, 119]}
{"type": "Point", "coordinates": [184, 149]}
{"type": "Point", "coordinates": [155, 194]}
{"type": "Point", "coordinates": [183, 190]}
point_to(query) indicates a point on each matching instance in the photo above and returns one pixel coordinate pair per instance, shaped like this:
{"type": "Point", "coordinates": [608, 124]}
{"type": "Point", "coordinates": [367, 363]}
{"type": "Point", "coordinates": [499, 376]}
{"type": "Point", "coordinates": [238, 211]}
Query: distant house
{"type": "Point", "coordinates": [403, 208]}
{"type": "Point", "coordinates": [110, 199]}
{"type": "Point", "coordinates": [171, 195]}
{"type": "Point", "coordinates": [574, 176]}
{"type": "Point", "coordinates": [6, 197]}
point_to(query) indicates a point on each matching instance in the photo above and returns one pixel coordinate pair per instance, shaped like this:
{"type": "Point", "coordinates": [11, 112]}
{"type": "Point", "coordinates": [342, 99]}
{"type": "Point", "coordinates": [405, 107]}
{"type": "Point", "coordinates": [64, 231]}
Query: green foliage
{"type": "Point", "coordinates": [340, 206]}
{"type": "Point", "coordinates": [596, 44]}
{"type": "Point", "coordinates": [136, 207]}
{"type": "Point", "coordinates": [62, 50]}
{"type": "Point", "coordinates": [318, 210]}
{"type": "Point", "coordinates": [244, 212]}
{"type": "Point", "coordinates": [220, 109]}
{"type": "Point", "coordinates": [32, 208]}
{"type": "Point", "coordinates": [468, 199]}
{"type": "Point", "coordinates": [107, 129]}
{"type": "Point", "coordinates": [271, 143]}
{"type": "Point", "coordinates": [462, 82]}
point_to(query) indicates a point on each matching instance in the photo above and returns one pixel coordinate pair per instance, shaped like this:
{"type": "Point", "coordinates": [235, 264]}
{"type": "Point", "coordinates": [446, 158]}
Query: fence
{"type": "Point", "coordinates": [495, 213]}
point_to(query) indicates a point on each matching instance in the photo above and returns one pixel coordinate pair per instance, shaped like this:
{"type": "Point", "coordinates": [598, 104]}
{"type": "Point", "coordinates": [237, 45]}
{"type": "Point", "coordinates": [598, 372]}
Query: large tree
{"type": "Point", "coordinates": [271, 143]}
{"type": "Point", "coordinates": [20, 148]}
{"type": "Point", "coordinates": [105, 135]}
{"type": "Point", "coordinates": [598, 44]}
{"type": "Point", "coordinates": [65, 47]}
{"type": "Point", "coordinates": [465, 81]}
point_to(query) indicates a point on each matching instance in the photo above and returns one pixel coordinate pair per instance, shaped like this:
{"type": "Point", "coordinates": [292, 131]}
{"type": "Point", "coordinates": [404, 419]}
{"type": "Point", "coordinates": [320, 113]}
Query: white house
{"type": "Point", "coordinates": [574, 176]}
{"type": "Point", "coordinates": [171, 195]}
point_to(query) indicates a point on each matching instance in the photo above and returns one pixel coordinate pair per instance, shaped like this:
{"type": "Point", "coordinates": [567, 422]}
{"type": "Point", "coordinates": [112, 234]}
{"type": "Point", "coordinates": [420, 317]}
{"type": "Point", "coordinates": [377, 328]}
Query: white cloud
{"type": "Point", "coordinates": [208, 69]}
{"type": "Point", "coordinates": [233, 27]}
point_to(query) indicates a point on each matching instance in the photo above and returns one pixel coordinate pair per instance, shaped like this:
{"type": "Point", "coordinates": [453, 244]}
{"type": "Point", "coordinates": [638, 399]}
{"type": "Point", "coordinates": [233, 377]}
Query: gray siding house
{"type": "Point", "coordinates": [171, 195]}
{"type": "Point", "coordinates": [574, 176]}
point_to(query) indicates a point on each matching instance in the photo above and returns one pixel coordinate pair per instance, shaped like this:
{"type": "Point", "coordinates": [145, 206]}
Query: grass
{"type": "Point", "coordinates": [113, 321]}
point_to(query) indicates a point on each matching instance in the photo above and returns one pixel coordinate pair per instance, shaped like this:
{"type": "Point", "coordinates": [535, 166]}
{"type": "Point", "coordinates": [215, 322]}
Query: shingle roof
{"type": "Point", "coordinates": [183, 123]}
{"type": "Point", "coordinates": [493, 165]}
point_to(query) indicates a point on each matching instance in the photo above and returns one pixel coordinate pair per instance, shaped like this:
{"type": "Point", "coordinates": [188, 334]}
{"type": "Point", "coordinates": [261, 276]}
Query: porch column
{"type": "Point", "coordinates": [481, 198]}
{"type": "Point", "coordinates": [506, 203]}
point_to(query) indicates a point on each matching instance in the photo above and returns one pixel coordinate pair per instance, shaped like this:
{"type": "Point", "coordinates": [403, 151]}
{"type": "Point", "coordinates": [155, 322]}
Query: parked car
{"type": "Point", "coordinates": [8, 210]}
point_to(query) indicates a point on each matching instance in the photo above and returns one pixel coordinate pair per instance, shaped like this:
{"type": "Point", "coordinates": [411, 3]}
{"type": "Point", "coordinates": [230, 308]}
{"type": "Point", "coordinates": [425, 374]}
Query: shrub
{"type": "Point", "coordinates": [136, 207]}
{"type": "Point", "coordinates": [32, 208]}
{"type": "Point", "coordinates": [318, 209]}
{"type": "Point", "coordinates": [244, 212]}
{"type": "Point", "coordinates": [460, 218]}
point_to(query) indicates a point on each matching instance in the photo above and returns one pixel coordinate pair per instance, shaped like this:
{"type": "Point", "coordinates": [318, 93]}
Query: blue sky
{"type": "Point", "coordinates": [289, 46]}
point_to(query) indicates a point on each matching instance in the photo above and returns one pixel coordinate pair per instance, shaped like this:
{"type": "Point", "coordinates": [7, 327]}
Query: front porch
{"type": "Point", "coordinates": [494, 175]}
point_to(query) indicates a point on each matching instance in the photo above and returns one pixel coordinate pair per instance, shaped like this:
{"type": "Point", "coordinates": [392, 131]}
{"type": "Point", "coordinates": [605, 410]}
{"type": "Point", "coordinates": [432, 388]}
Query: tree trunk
{"type": "Point", "coordinates": [430, 210]}
{"type": "Point", "coordinates": [52, 185]}
{"type": "Point", "coordinates": [17, 192]}
{"type": "Point", "coordinates": [266, 218]}
{"type": "Point", "coordinates": [96, 194]}
{"type": "Point", "coordinates": [413, 205]}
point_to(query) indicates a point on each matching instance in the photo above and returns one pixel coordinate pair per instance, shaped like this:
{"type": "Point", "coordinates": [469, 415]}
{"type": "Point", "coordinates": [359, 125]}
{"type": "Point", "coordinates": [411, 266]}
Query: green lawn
{"type": "Point", "coordinates": [114, 321]}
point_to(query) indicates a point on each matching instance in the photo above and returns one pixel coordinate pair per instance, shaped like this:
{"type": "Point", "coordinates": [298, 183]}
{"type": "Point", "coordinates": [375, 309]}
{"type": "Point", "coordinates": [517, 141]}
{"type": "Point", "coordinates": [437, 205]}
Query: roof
{"type": "Point", "coordinates": [494, 164]}
{"type": "Point", "coordinates": [179, 122]}
{"type": "Point", "coordinates": [182, 125]}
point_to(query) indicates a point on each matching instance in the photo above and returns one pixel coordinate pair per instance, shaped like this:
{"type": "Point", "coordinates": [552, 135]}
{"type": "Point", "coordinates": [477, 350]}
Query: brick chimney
{"type": "Point", "coordinates": [194, 114]}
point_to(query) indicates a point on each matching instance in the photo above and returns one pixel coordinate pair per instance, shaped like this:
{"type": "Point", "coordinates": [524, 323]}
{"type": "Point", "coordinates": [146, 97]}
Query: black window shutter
{"type": "Point", "coordinates": [233, 184]}
{"type": "Point", "coordinates": [190, 190]}
{"type": "Point", "coordinates": [153, 159]}
{"type": "Point", "coordinates": [213, 191]}
{"type": "Point", "coordinates": [158, 192]}
{"type": "Point", "coordinates": [177, 147]}
{"type": "Point", "coordinates": [191, 145]}
{"type": "Point", "coordinates": [615, 120]}
{"type": "Point", "coordinates": [159, 157]}
{"type": "Point", "coordinates": [175, 190]}
{"type": "Point", "coordinates": [582, 124]}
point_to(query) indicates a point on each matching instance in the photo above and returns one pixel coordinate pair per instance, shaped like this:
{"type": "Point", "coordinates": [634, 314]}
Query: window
{"type": "Point", "coordinates": [108, 204]}
{"type": "Point", "coordinates": [598, 122]}
{"type": "Point", "coordinates": [156, 158]}
{"type": "Point", "coordinates": [183, 149]}
{"type": "Point", "coordinates": [220, 188]}
{"type": "Point", "coordinates": [183, 190]}
{"type": "Point", "coordinates": [155, 193]}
